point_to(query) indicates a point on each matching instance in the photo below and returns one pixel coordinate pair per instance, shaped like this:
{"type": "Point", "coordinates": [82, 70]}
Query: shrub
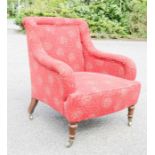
{"type": "Point", "coordinates": [106, 19]}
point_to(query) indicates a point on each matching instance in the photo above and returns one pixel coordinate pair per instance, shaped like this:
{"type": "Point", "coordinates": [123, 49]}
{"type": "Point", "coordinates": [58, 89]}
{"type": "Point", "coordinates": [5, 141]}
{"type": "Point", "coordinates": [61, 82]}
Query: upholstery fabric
{"type": "Point", "coordinates": [99, 94]}
{"type": "Point", "coordinates": [73, 77]}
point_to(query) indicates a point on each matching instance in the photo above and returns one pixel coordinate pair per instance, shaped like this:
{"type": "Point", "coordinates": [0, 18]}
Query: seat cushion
{"type": "Point", "coordinates": [99, 94]}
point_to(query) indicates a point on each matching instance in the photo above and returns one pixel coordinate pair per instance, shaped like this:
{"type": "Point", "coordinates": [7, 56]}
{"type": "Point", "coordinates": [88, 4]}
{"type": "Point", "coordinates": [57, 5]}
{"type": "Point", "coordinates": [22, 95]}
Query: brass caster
{"type": "Point", "coordinates": [69, 143]}
{"type": "Point", "coordinates": [30, 117]}
{"type": "Point", "coordinates": [129, 123]}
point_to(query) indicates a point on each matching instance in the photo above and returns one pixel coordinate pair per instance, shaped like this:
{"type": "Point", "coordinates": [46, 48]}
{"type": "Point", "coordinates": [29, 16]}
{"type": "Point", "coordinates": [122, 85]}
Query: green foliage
{"type": "Point", "coordinates": [106, 18]}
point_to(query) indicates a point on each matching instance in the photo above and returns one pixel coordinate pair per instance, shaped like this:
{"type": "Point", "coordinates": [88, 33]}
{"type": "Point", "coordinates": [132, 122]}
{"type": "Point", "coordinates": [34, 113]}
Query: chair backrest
{"type": "Point", "coordinates": [60, 38]}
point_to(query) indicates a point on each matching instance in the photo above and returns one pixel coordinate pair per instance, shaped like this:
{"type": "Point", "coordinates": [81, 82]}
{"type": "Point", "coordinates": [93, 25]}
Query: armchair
{"type": "Point", "coordinates": [73, 77]}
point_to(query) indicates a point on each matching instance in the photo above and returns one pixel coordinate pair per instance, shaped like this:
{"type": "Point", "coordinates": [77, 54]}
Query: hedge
{"type": "Point", "coordinates": [106, 18]}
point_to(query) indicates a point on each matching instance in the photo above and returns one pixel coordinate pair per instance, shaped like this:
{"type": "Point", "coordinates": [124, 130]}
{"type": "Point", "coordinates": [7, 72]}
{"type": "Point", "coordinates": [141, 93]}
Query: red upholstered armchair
{"type": "Point", "coordinates": [73, 77]}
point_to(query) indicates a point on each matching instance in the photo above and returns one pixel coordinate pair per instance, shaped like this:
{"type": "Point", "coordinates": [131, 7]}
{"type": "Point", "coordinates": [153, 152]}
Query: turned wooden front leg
{"type": "Point", "coordinates": [72, 132]}
{"type": "Point", "coordinates": [32, 107]}
{"type": "Point", "coordinates": [130, 114]}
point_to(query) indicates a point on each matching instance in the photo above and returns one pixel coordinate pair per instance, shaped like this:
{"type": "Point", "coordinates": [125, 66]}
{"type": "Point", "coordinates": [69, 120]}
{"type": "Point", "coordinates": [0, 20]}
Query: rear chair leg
{"type": "Point", "coordinates": [72, 132]}
{"type": "Point", "coordinates": [32, 106]}
{"type": "Point", "coordinates": [130, 114]}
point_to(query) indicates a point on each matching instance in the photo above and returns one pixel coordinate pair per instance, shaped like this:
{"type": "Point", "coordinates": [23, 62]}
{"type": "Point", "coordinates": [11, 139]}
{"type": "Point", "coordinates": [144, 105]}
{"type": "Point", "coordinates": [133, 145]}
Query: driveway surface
{"type": "Point", "coordinates": [47, 133]}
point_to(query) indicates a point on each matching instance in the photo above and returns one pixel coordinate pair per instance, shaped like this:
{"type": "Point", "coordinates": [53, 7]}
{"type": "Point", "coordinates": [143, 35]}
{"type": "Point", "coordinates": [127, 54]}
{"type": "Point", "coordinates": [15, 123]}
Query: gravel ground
{"type": "Point", "coordinates": [47, 133]}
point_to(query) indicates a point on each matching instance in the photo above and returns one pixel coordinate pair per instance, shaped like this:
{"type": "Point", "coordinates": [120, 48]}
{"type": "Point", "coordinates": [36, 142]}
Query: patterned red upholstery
{"type": "Point", "coordinates": [99, 94]}
{"type": "Point", "coordinates": [73, 77]}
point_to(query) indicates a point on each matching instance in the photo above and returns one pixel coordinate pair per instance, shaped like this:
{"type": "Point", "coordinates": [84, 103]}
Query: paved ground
{"type": "Point", "coordinates": [47, 133]}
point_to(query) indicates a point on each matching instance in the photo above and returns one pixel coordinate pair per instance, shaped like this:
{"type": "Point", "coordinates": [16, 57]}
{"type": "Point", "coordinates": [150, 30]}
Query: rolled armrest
{"type": "Point", "coordinates": [128, 65]}
{"type": "Point", "coordinates": [64, 71]}
{"type": "Point", "coordinates": [121, 62]}
{"type": "Point", "coordinates": [52, 64]}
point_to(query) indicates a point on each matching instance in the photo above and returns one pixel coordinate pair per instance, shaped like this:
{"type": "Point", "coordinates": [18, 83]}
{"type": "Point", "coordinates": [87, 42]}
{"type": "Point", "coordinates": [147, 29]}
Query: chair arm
{"type": "Point", "coordinates": [128, 65]}
{"type": "Point", "coordinates": [64, 71]}
{"type": "Point", "coordinates": [118, 62]}
{"type": "Point", "coordinates": [61, 68]}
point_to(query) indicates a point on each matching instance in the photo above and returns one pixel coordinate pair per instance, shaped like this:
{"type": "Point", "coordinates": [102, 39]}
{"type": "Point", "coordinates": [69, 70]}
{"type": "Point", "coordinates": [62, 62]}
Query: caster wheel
{"type": "Point", "coordinates": [129, 124]}
{"type": "Point", "coordinates": [30, 117]}
{"type": "Point", "coordinates": [69, 143]}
